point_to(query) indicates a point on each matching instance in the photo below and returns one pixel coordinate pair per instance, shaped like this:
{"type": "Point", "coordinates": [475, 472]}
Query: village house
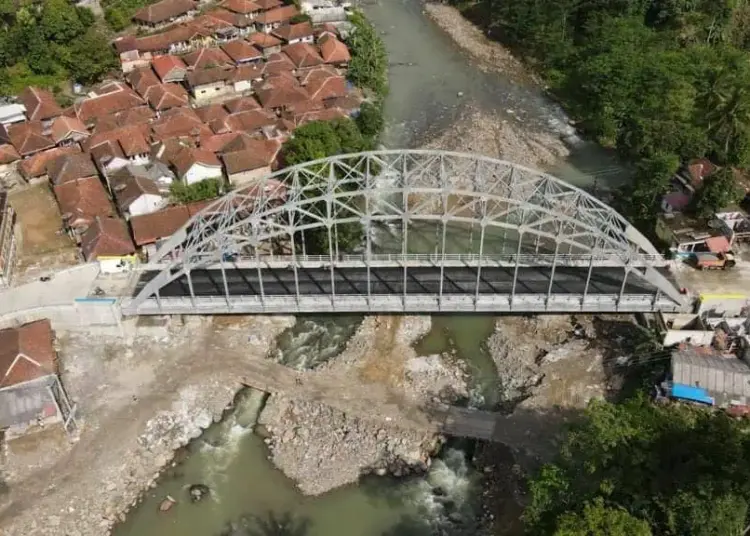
{"type": "Point", "coordinates": [30, 390]}
{"type": "Point", "coordinates": [71, 167]}
{"type": "Point", "coordinates": [12, 113]}
{"type": "Point", "coordinates": [137, 193]}
{"type": "Point", "coordinates": [249, 120]}
{"type": "Point", "coordinates": [278, 64]}
{"type": "Point", "coordinates": [8, 157]}
{"type": "Point", "coordinates": [179, 123]}
{"type": "Point", "coordinates": [333, 51]}
{"type": "Point", "coordinates": [8, 246]}
{"type": "Point", "coordinates": [279, 92]}
{"type": "Point", "coordinates": [266, 43]}
{"type": "Point", "coordinates": [207, 84]}
{"type": "Point", "coordinates": [34, 169]}
{"type": "Point", "coordinates": [295, 33]}
{"type": "Point", "coordinates": [254, 161]}
{"type": "Point", "coordinates": [247, 9]}
{"type": "Point", "coordinates": [241, 104]}
{"type": "Point", "coordinates": [196, 165]}
{"type": "Point", "coordinates": [267, 5]}
{"type": "Point", "coordinates": [108, 242]}
{"type": "Point", "coordinates": [150, 230]}
{"type": "Point", "coordinates": [269, 20]}
{"type": "Point", "coordinates": [243, 24]}
{"type": "Point", "coordinates": [165, 12]}
{"type": "Point", "coordinates": [40, 105]}
{"type": "Point", "coordinates": [169, 68]}
{"type": "Point", "coordinates": [108, 157]}
{"type": "Point", "coordinates": [28, 138]}
{"type": "Point", "coordinates": [68, 131]}
{"type": "Point", "coordinates": [130, 57]}
{"type": "Point", "coordinates": [206, 58]}
{"type": "Point", "coordinates": [81, 201]}
{"type": "Point", "coordinates": [214, 30]}
{"type": "Point", "coordinates": [303, 55]}
{"type": "Point", "coordinates": [108, 98]}
{"type": "Point", "coordinates": [241, 52]}
{"type": "Point", "coordinates": [246, 76]}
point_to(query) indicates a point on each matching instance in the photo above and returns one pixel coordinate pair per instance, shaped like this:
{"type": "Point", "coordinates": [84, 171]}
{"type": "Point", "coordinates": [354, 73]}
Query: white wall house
{"type": "Point", "coordinates": [146, 204]}
{"type": "Point", "coordinates": [200, 172]}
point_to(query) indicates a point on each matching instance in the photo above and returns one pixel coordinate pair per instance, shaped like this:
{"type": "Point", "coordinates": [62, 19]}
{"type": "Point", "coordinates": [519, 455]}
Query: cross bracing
{"type": "Point", "coordinates": [536, 219]}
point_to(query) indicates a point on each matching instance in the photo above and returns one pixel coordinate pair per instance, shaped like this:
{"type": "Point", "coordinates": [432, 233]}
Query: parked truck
{"type": "Point", "coordinates": [714, 261]}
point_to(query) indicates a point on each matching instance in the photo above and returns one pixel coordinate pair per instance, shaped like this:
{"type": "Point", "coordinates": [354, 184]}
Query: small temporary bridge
{"type": "Point", "coordinates": [375, 402]}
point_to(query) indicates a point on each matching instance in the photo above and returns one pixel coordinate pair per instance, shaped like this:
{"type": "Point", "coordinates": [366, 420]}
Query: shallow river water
{"type": "Point", "coordinates": [427, 72]}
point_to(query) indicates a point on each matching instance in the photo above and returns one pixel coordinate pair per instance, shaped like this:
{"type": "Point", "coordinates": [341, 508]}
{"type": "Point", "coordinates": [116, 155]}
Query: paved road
{"type": "Point", "coordinates": [420, 280]}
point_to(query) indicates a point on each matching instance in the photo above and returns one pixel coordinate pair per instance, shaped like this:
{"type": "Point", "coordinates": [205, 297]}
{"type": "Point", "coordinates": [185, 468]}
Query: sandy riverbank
{"type": "Point", "coordinates": [140, 398]}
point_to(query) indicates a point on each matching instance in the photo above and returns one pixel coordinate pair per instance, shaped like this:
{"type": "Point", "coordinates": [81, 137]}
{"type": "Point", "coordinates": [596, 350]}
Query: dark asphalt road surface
{"type": "Point", "coordinates": [422, 280]}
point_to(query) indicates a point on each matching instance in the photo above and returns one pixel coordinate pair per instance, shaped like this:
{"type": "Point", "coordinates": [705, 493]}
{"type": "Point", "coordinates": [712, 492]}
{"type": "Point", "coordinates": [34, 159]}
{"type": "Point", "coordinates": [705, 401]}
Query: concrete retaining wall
{"type": "Point", "coordinates": [82, 314]}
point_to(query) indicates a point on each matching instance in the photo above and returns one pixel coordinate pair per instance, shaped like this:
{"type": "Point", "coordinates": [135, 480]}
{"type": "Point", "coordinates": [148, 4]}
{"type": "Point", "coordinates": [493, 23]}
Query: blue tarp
{"type": "Point", "coordinates": [689, 392]}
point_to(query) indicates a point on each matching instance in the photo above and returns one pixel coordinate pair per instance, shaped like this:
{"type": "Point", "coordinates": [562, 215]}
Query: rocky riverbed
{"type": "Point", "coordinates": [322, 448]}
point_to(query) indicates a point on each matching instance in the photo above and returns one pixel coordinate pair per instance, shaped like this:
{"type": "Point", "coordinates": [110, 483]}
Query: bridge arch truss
{"type": "Point", "coordinates": [418, 230]}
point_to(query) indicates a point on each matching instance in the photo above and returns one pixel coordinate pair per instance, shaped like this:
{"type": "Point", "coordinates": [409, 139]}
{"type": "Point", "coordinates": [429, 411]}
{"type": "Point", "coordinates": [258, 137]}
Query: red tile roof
{"type": "Point", "coordinates": [36, 166]}
{"type": "Point", "coordinates": [112, 97]}
{"type": "Point", "coordinates": [248, 72]}
{"type": "Point", "coordinates": [699, 170]}
{"type": "Point", "coordinates": [148, 228]}
{"type": "Point", "coordinates": [142, 79]}
{"type": "Point", "coordinates": [40, 104]}
{"type": "Point", "coordinates": [329, 114]}
{"type": "Point", "coordinates": [236, 20]}
{"type": "Point", "coordinates": [28, 139]}
{"type": "Point", "coordinates": [179, 122]}
{"type": "Point", "coordinates": [164, 96]}
{"type": "Point", "coordinates": [241, 6]}
{"type": "Point", "coordinates": [333, 51]}
{"type": "Point", "coordinates": [264, 40]}
{"type": "Point", "coordinates": [26, 353]}
{"type": "Point", "coordinates": [64, 127]}
{"type": "Point", "coordinates": [164, 11]}
{"type": "Point", "coordinates": [132, 139]}
{"type": "Point", "coordinates": [82, 200]}
{"type": "Point", "coordinates": [126, 43]}
{"type": "Point", "coordinates": [106, 237]}
{"type": "Point", "coordinates": [188, 157]}
{"type": "Point", "coordinates": [249, 120]}
{"type": "Point", "coordinates": [278, 14]}
{"type": "Point", "coordinates": [216, 142]}
{"type": "Point", "coordinates": [162, 40]}
{"type": "Point", "coordinates": [269, 4]}
{"type": "Point", "coordinates": [303, 55]}
{"type": "Point", "coordinates": [304, 75]}
{"type": "Point", "coordinates": [213, 75]}
{"type": "Point", "coordinates": [278, 63]}
{"type": "Point", "coordinates": [290, 32]}
{"type": "Point", "coordinates": [70, 167]}
{"type": "Point", "coordinates": [8, 154]}
{"type": "Point", "coordinates": [128, 187]}
{"type": "Point", "coordinates": [276, 93]}
{"type": "Point", "coordinates": [241, 104]}
{"type": "Point", "coordinates": [257, 154]}
{"type": "Point", "coordinates": [326, 87]}
{"type": "Point", "coordinates": [241, 51]}
{"type": "Point", "coordinates": [169, 67]}
{"type": "Point", "coordinates": [211, 112]}
{"type": "Point", "coordinates": [207, 57]}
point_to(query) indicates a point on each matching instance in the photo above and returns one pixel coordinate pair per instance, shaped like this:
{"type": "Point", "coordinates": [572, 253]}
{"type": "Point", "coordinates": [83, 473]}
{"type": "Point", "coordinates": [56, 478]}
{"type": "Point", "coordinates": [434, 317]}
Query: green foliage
{"type": "Point", "coordinates": [370, 120]}
{"type": "Point", "coordinates": [638, 468]}
{"type": "Point", "coordinates": [321, 139]}
{"type": "Point", "coordinates": [118, 13]}
{"type": "Point", "coordinates": [368, 67]}
{"type": "Point", "coordinates": [200, 191]}
{"type": "Point", "coordinates": [300, 17]}
{"type": "Point", "coordinates": [44, 43]}
{"type": "Point", "coordinates": [598, 520]}
{"type": "Point", "coordinates": [651, 181]}
{"type": "Point", "coordinates": [647, 77]}
{"type": "Point", "coordinates": [719, 190]}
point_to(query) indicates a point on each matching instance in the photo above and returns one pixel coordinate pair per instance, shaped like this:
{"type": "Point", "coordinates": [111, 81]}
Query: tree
{"type": "Point", "coordinates": [719, 190]}
{"type": "Point", "coordinates": [370, 120]}
{"type": "Point", "coordinates": [651, 181]}
{"type": "Point", "coordinates": [598, 520]}
{"type": "Point", "coordinates": [200, 191]}
{"type": "Point", "coordinates": [368, 67]}
{"type": "Point", "coordinates": [312, 141]}
{"type": "Point", "coordinates": [679, 468]}
{"type": "Point", "coordinates": [91, 57]}
{"type": "Point", "coordinates": [60, 21]}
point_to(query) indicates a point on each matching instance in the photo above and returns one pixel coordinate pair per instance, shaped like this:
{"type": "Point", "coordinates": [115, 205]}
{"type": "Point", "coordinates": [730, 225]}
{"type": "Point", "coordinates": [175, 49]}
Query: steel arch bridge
{"type": "Point", "coordinates": [405, 231]}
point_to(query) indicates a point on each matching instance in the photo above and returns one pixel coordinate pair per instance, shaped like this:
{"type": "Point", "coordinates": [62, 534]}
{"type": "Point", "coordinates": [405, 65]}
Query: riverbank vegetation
{"type": "Point", "coordinates": [46, 43]}
{"type": "Point", "coordinates": [640, 469]}
{"type": "Point", "coordinates": [368, 70]}
{"type": "Point", "coordinates": [662, 81]}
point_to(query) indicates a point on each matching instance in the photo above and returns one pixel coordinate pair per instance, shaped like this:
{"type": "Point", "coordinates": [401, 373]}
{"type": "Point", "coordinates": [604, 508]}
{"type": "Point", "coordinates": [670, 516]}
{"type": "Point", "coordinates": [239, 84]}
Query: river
{"type": "Point", "coordinates": [428, 72]}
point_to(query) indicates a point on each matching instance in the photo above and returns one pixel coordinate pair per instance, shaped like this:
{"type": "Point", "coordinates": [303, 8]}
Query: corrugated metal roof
{"type": "Point", "coordinates": [722, 377]}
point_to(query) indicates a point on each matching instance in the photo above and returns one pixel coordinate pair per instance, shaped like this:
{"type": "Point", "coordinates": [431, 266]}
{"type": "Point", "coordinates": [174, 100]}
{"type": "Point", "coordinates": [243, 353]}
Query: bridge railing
{"type": "Point", "coordinates": [610, 259]}
{"type": "Point", "coordinates": [394, 303]}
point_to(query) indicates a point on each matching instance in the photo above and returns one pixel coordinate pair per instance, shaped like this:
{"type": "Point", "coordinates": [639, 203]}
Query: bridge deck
{"type": "Point", "coordinates": [353, 281]}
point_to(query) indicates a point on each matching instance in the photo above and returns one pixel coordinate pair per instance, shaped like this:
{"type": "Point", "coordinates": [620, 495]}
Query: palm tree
{"type": "Point", "coordinates": [727, 105]}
